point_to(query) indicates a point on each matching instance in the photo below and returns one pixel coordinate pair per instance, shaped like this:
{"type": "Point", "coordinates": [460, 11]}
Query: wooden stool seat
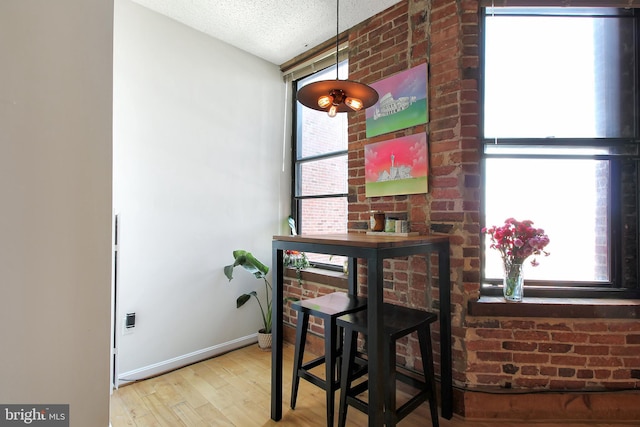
{"type": "Point", "coordinates": [327, 307]}
{"type": "Point", "coordinates": [398, 322]}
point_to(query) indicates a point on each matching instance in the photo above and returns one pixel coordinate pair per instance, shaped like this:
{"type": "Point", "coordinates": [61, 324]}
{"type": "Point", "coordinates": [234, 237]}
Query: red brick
{"type": "Point", "coordinates": [571, 337]}
{"type": "Point", "coordinates": [621, 374]}
{"type": "Point", "coordinates": [518, 324]}
{"type": "Point", "coordinates": [623, 351]}
{"type": "Point", "coordinates": [602, 374]}
{"type": "Point", "coordinates": [531, 335]}
{"type": "Point", "coordinates": [607, 339]}
{"type": "Point", "coordinates": [632, 362]}
{"type": "Point", "coordinates": [584, 374]}
{"type": "Point", "coordinates": [483, 345]}
{"type": "Point", "coordinates": [633, 339]}
{"type": "Point", "coordinates": [624, 326]}
{"type": "Point", "coordinates": [549, 371]}
{"type": "Point", "coordinates": [531, 358]}
{"type": "Point", "coordinates": [519, 346]}
{"type": "Point", "coordinates": [566, 372]}
{"type": "Point", "coordinates": [486, 368]}
{"type": "Point", "coordinates": [553, 327]}
{"type": "Point", "coordinates": [559, 360]}
{"type": "Point", "coordinates": [554, 348]}
{"type": "Point", "coordinates": [566, 384]}
{"type": "Point", "coordinates": [605, 361]}
{"type": "Point", "coordinates": [591, 327]}
{"type": "Point", "coordinates": [531, 382]}
{"type": "Point", "coordinates": [494, 356]}
{"type": "Point", "coordinates": [591, 349]}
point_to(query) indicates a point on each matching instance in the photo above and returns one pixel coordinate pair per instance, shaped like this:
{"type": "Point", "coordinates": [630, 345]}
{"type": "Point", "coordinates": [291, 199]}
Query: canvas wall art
{"type": "Point", "coordinates": [397, 166]}
{"type": "Point", "coordinates": [402, 103]}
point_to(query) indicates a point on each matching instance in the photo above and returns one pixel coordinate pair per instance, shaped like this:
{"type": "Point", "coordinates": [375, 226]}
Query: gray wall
{"type": "Point", "coordinates": [55, 187]}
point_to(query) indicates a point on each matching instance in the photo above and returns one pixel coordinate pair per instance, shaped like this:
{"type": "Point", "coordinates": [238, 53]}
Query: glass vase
{"type": "Point", "coordinates": [513, 281]}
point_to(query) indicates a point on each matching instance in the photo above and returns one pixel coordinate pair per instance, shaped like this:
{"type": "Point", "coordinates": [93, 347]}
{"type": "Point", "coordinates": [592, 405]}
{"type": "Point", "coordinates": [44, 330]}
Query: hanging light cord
{"type": "Point", "coordinates": [337, 96]}
{"type": "Point", "coordinates": [337, 35]}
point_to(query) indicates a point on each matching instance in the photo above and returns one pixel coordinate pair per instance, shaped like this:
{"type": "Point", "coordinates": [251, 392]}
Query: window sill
{"type": "Point", "coordinates": [336, 279]}
{"type": "Point", "coordinates": [588, 308]}
{"type": "Point", "coordinates": [496, 306]}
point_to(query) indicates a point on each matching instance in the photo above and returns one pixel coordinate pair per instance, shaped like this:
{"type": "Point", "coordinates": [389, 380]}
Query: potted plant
{"type": "Point", "coordinates": [297, 260]}
{"type": "Point", "coordinates": [250, 263]}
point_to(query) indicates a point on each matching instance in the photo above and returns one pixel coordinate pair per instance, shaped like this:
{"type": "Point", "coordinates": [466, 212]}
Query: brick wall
{"type": "Point", "coordinates": [408, 34]}
{"type": "Point", "coordinates": [520, 353]}
{"type": "Point", "coordinates": [553, 354]}
{"type": "Point", "coordinates": [489, 353]}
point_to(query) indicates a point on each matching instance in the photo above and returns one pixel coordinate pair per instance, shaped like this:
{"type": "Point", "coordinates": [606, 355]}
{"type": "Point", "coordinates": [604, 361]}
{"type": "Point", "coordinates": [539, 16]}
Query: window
{"type": "Point", "coordinates": [560, 144]}
{"type": "Point", "coordinates": [320, 169]}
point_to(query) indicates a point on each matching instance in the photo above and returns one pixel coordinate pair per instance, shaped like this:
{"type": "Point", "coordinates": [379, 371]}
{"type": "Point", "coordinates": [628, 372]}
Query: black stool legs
{"type": "Point", "coordinates": [301, 340]}
{"type": "Point", "coordinates": [329, 308]}
{"type": "Point", "coordinates": [332, 348]}
{"type": "Point", "coordinates": [398, 322]}
{"type": "Point", "coordinates": [427, 388]}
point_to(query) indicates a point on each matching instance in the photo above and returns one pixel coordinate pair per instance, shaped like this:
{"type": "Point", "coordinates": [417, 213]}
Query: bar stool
{"type": "Point", "coordinates": [327, 307]}
{"type": "Point", "coordinates": [398, 322]}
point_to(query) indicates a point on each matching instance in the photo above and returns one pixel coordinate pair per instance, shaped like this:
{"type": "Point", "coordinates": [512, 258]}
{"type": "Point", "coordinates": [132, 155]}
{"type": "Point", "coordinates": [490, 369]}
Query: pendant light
{"type": "Point", "coordinates": [337, 96]}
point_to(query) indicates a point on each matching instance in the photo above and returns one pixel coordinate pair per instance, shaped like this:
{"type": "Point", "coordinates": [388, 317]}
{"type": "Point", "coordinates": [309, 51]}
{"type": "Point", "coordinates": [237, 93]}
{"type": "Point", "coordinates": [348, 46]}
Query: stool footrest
{"type": "Point", "coordinates": [359, 388]}
{"type": "Point", "coordinates": [406, 408]}
{"type": "Point", "coordinates": [316, 380]}
{"type": "Point", "coordinates": [313, 363]}
{"type": "Point", "coordinates": [359, 404]}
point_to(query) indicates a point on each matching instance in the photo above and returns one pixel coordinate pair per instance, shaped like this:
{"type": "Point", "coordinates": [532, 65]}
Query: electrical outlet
{"type": "Point", "coordinates": [129, 323]}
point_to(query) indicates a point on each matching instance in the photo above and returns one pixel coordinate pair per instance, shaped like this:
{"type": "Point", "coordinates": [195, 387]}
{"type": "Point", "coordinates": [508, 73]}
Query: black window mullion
{"type": "Point", "coordinates": [624, 178]}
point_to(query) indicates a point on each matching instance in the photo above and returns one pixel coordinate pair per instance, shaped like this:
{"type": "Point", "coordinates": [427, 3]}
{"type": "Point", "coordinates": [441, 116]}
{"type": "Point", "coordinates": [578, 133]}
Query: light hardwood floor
{"type": "Point", "coordinates": [234, 390]}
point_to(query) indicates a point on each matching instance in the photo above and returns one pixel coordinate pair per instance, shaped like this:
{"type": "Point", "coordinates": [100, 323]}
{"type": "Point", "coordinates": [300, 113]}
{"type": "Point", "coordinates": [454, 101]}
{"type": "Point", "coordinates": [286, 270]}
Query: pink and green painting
{"type": "Point", "coordinates": [397, 166]}
{"type": "Point", "coordinates": [402, 102]}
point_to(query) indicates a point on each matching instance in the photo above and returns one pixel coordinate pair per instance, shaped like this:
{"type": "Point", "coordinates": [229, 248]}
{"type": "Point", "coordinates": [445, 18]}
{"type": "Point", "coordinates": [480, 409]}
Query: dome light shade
{"type": "Point", "coordinates": [337, 96]}
{"type": "Point", "coordinates": [341, 93]}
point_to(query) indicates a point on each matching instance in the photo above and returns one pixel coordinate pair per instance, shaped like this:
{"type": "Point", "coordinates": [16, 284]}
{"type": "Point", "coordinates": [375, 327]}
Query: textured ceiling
{"type": "Point", "coordinates": [275, 30]}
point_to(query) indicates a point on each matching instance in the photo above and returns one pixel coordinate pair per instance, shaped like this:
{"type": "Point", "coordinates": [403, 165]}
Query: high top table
{"type": "Point", "coordinates": [373, 249]}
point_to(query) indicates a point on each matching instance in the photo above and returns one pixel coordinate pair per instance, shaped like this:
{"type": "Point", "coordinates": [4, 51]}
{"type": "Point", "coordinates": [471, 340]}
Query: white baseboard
{"type": "Point", "coordinates": [184, 360]}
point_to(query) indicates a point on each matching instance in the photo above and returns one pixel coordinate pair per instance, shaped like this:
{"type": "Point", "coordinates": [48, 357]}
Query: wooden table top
{"type": "Point", "coordinates": [365, 240]}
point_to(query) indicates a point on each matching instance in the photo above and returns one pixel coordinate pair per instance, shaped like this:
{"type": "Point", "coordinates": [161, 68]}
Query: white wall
{"type": "Point", "coordinates": [198, 138]}
{"type": "Point", "coordinates": [55, 190]}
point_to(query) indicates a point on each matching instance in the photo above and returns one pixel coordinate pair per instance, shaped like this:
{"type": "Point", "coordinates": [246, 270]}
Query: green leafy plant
{"type": "Point", "coordinates": [297, 260]}
{"type": "Point", "coordinates": [250, 263]}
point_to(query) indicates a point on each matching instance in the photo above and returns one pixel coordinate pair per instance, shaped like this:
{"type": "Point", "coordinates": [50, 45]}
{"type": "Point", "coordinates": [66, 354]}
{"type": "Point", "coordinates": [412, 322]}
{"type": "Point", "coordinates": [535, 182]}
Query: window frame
{"type": "Point", "coordinates": [624, 149]}
{"type": "Point", "coordinates": [296, 164]}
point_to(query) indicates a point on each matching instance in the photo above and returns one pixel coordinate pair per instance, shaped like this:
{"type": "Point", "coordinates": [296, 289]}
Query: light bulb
{"type": "Point", "coordinates": [332, 111]}
{"type": "Point", "coordinates": [354, 103]}
{"type": "Point", "coordinates": [324, 101]}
